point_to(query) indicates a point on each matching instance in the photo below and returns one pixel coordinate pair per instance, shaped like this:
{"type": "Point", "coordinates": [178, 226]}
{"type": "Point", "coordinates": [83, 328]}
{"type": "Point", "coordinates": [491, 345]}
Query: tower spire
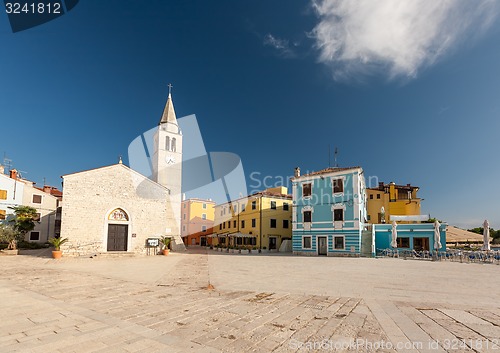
{"type": "Point", "coordinates": [168, 115]}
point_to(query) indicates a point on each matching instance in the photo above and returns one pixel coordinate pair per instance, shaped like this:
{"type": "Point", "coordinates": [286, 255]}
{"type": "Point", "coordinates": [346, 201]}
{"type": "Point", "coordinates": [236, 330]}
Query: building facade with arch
{"type": "Point", "coordinates": [116, 209]}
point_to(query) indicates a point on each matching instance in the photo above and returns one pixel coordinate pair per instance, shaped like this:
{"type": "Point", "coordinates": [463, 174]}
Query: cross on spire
{"type": "Point", "coordinates": [169, 89]}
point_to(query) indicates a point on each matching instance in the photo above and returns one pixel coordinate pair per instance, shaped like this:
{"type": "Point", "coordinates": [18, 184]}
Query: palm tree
{"type": "Point", "coordinates": [57, 242]}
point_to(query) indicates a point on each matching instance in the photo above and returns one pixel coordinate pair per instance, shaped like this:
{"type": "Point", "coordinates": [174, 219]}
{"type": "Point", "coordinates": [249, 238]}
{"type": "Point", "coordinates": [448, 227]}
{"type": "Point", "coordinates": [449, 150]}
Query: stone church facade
{"type": "Point", "coordinates": [116, 209]}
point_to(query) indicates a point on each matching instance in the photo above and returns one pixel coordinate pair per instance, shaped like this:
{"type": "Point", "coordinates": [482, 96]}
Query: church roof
{"type": "Point", "coordinates": [118, 165]}
{"type": "Point", "coordinates": [168, 115]}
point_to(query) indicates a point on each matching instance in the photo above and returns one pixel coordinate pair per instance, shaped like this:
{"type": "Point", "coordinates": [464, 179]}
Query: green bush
{"type": "Point", "coordinates": [27, 245]}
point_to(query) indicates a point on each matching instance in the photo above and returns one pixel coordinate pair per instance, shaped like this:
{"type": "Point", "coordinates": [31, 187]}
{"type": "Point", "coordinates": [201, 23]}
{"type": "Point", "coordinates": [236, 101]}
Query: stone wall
{"type": "Point", "coordinates": [90, 196]}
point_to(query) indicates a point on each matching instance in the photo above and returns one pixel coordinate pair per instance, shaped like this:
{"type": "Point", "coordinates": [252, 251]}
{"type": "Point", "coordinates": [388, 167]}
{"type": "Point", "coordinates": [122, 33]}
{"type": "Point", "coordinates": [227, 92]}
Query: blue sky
{"type": "Point", "coordinates": [411, 101]}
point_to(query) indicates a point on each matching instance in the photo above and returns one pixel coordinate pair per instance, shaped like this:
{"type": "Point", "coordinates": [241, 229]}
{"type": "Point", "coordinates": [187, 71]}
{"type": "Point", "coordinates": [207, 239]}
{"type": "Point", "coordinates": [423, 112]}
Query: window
{"type": "Point", "coordinates": [242, 224]}
{"type": "Point", "coordinates": [307, 216]}
{"type": "Point", "coordinates": [203, 229]}
{"type": "Point", "coordinates": [338, 214]}
{"type": "Point", "coordinates": [254, 205]}
{"type": "Point", "coordinates": [254, 221]}
{"type": "Point", "coordinates": [285, 223]}
{"type": "Point", "coordinates": [228, 224]}
{"type": "Point", "coordinates": [285, 206]}
{"type": "Point", "coordinates": [368, 218]}
{"type": "Point", "coordinates": [378, 196]}
{"type": "Point", "coordinates": [273, 223]}
{"type": "Point", "coordinates": [243, 206]}
{"type": "Point", "coordinates": [338, 185]}
{"type": "Point", "coordinates": [34, 236]}
{"type": "Point", "coordinates": [183, 228]}
{"type": "Point", "coordinates": [306, 190]}
{"type": "Point", "coordinates": [204, 206]}
{"type": "Point", "coordinates": [184, 216]}
{"type": "Point", "coordinates": [306, 242]}
{"type": "Point", "coordinates": [403, 242]}
{"type": "Point", "coordinates": [223, 225]}
{"type": "Point", "coordinates": [250, 241]}
{"type": "Point", "coordinates": [167, 143]}
{"type": "Point", "coordinates": [203, 216]}
{"type": "Point", "coordinates": [223, 240]}
{"type": "Point", "coordinates": [234, 224]}
{"type": "Point", "coordinates": [37, 198]}
{"type": "Point", "coordinates": [2, 214]}
{"type": "Point", "coordinates": [338, 243]}
{"type": "Point", "coordinates": [173, 145]}
{"type": "Point", "coordinates": [37, 217]}
{"type": "Point", "coordinates": [273, 205]}
{"type": "Point", "coordinates": [184, 205]}
{"type": "Point", "coordinates": [220, 226]}
{"type": "Point", "coordinates": [3, 194]}
{"type": "Point", "coordinates": [371, 196]}
{"type": "Point", "coordinates": [235, 208]}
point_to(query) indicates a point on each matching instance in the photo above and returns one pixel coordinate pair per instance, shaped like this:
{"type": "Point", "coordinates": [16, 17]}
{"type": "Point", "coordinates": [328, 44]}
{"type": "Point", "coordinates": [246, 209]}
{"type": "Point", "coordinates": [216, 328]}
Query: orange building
{"type": "Point", "coordinates": [197, 221]}
{"type": "Point", "coordinates": [391, 199]}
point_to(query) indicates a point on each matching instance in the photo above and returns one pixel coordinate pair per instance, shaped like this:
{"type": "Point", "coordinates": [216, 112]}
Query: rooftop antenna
{"type": "Point", "coordinates": [44, 181]}
{"type": "Point", "coordinates": [335, 157]}
{"type": "Point", "coordinates": [7, 163]}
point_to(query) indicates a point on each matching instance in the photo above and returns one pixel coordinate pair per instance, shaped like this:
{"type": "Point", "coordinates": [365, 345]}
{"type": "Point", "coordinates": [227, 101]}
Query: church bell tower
{"type": "Point", "coordinates": [167, 158]}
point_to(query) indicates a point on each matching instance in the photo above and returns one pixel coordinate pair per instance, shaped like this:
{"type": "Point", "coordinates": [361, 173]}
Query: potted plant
{"type": "Point", "coordinates": [56, 243]}
{"type": "Point", "coordinates": [166, 242]}
{"type": "Point", "coordinates": [9, 235]}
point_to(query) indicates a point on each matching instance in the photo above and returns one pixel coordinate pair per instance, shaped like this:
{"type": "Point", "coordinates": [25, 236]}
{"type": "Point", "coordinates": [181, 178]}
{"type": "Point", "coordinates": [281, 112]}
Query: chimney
{"type": "Point", "coordinates": [296, 174]}
{"type": "Point", "coordinates": [13, 174]}
{"type": "Point", "coordinates": [2, 169]}
{"type": "Point", "coordinates": [47, 189]}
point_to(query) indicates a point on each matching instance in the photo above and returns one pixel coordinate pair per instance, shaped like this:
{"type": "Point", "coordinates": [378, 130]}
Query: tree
{"type": "Point", "coordinates": [495, 234]}
{"type": "Point", "coordinates": [23, 221]}
{"type": "Point", "coordinates": [433, 220]}
{"type": "Point", "coordinates": [9, 235]}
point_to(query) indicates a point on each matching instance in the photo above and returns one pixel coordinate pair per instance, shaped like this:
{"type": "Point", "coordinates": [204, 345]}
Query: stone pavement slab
{"type": "Point", "coordinates": [291, 304]}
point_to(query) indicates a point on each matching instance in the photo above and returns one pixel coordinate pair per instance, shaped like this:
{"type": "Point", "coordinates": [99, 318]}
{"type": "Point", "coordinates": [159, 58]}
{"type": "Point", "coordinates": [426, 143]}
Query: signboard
{"type": "Point", "coordinates": [152, 242]}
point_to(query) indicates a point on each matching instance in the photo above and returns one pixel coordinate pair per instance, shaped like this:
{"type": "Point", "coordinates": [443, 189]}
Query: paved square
{"type": "Point", "coordinates": [261, 303]}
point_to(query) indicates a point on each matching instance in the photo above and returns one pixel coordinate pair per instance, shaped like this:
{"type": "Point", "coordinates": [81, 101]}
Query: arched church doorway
{"type": "Point", "coordinates": [117, 235]}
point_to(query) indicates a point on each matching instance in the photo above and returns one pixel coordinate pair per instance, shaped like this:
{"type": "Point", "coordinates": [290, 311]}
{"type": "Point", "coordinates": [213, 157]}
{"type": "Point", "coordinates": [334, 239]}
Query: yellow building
{"type": "Point", "coordinates": [392, 200]}
{"type": "Point", "coordinates": [197, 221]}
{"type": "Point", "coordinates": [259, 221]}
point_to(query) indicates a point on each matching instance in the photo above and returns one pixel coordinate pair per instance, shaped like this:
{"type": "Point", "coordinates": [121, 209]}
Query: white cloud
{"type": "Point", "coordinates": [281, 45]}
{"type": "Point", "coordinates": [397, 36]}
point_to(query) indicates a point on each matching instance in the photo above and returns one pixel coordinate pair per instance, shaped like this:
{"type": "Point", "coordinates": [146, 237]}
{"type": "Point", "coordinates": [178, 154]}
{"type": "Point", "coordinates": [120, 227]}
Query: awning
{"type": "Point", "coordinates": [241, 235]}
{"type": "Point", "coordinates": [410, 218]}
{"type": "Point", "coordinates": [219, 235]}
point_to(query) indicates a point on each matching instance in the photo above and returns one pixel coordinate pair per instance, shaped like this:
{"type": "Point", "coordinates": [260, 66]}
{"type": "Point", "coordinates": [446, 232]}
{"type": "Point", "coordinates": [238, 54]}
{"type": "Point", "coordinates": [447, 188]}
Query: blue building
{"type": "Point", "coordinates": [413, 236]}
{"type": "Point", "coordinates": [329, 213]}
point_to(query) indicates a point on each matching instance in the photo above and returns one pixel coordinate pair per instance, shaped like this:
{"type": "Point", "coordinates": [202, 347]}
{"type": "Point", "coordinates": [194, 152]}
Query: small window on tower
{"type": "Point", "coordinates": [167, 143]}
{"type": "Point", "coordinates": [173, 145]}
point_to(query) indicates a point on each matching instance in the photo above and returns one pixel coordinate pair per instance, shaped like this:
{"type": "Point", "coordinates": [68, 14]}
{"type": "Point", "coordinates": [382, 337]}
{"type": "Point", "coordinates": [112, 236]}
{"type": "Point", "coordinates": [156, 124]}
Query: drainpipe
{"type": "Point", "coordinates": [48, 225]}
{"type": "Point", "coordinates": [238, 220]}
{"type": "Point", "coordinates": [260, 224]}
